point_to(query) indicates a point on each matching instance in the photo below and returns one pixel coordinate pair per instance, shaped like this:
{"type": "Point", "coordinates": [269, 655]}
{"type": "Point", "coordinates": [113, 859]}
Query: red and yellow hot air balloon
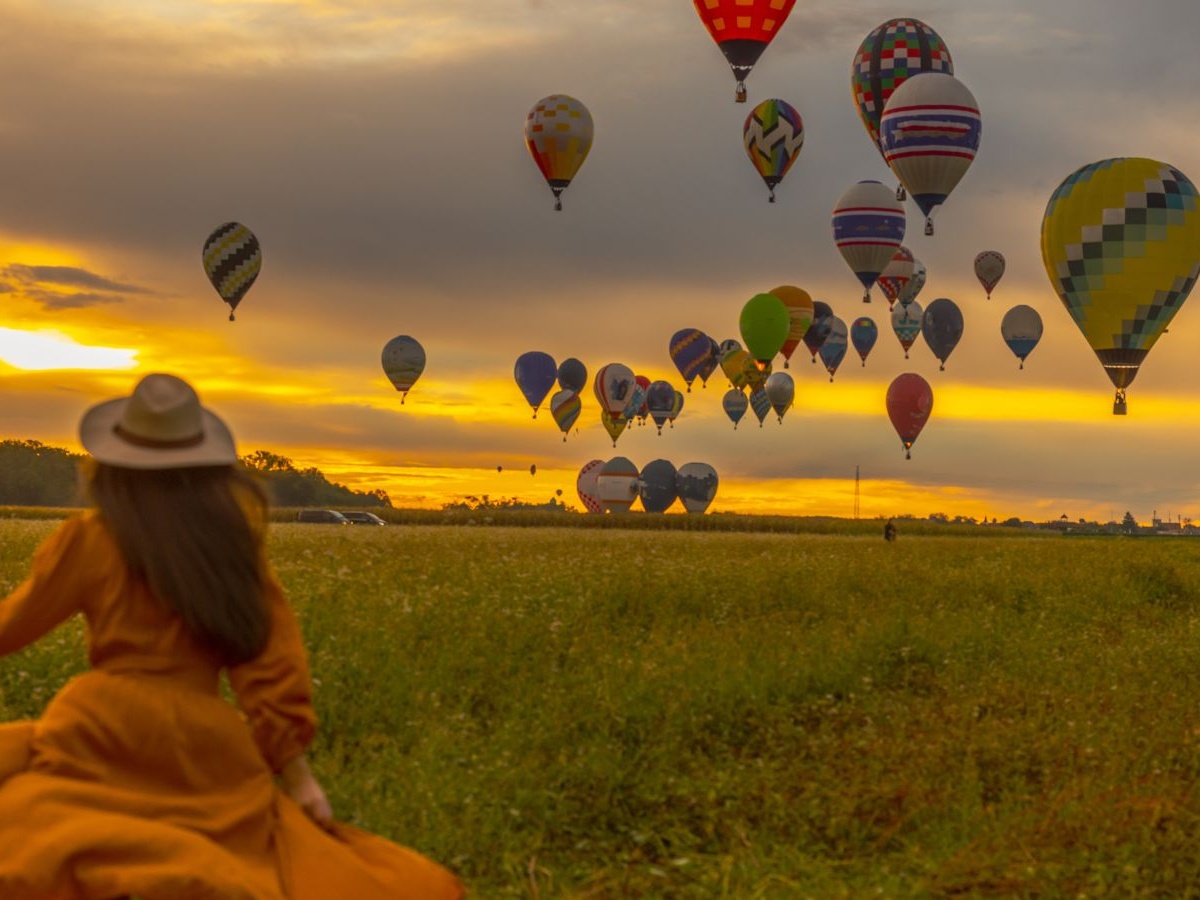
{"type": "Point", "coordinates": [558, 133]}
{"type": "Point", "coordinates": [742, 29]}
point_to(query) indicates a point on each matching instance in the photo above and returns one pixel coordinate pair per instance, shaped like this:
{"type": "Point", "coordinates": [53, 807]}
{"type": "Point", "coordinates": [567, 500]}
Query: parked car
{"type": "Point", "coordinates": [361, 517]}
{"type": "Point", "coordinates": [322, 516]}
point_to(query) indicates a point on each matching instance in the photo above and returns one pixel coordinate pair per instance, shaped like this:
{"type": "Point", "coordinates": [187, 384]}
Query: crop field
{"type": "Point", "coordinates": [617, 712]}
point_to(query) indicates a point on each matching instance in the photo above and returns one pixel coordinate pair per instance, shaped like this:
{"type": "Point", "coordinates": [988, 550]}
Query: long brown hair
{"type": "Point", "coordinates": [195, 536]}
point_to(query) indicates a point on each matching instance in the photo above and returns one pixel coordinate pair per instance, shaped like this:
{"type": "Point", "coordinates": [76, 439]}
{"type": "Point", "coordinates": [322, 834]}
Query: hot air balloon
{"type": "Point", "coordinates": [656, 485]}
{"type": "Point", "coordinates": [764, 323]}
{"type": "Point", "coordinates": [710, 363]}
{"type": "Point", "coordinates": [989, 269]}
{"type": "Point", "coordinates": [930, 134]}
{"type": "Point", "coordinates": [735, 405]}
{"type": "Point", "coordinates": [558, 133]}
{"type": "Point", "coordinates": [942, 328]}
{"type": "Point", "coordinates": [660, 398]}
{"type": "Point", "coordinates": [906, 322]}
{"type": "Point", "coordinates": [909, 292]}
{"type": "Point", "coordinates": [742, 29]}
{"type": "Point", "coordinates": [403, 363]}
{"type": "Point", "coordinates": [773, 134]}
{"type": "Point", "coordinates": [887, 57]}
{"type": "Point", "coordinates": [737, 365]}
{"type": "Point", "coordinates": [232, 260]}
{"type": "Point", "coordinates": [760, 404]}
{"type": "Point", "coordinates": [895, 276]}
{"type": "Point", "coordinates": [585, 485]}
{"type": "Point", "coordinates": [535, 373]}
{"type": "Point", "coordinates": [1120, 242]}
{"type": "Point", "coordinates": [863, 334]}
{"type": "Point", "coordinates": [868, 228]}
{"type": "Point", "coordinates": [697, 486]}
{"type": "Point", "coordinates": [613, 385]}
{"type": "Point", "coordinates": [565, 407]}
{"type": "Point", "coordinates": [833, 351]}
{"type": "Point", "coordinates": [676, 408]}
{"type": "Point", "coordinates": [690, 348]}
{"type": "Point", "coordinates": [781, 392]}
{"type": "Point", "coordinates": [818, 331]}
{"type": "Point", "coordinates": [572, 375]}
{"type": "Point", "coordinates": [614, 425]}
{"type": "Point", "coordinates": [616, 484]}
{"type": "Point", "coordinates": [1021, 328]}
{"type": "Point", "coordinates": [800, 311]}
{"type": "Point", "coordinates": [909, 403]}
{"type": "Point", "coordinates": [636, 401]}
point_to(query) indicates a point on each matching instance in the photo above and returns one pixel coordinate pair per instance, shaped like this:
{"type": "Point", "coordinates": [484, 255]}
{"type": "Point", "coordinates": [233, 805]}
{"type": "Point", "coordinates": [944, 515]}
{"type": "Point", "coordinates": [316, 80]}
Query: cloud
{"type": "Point", "coordinates": [56, 287]}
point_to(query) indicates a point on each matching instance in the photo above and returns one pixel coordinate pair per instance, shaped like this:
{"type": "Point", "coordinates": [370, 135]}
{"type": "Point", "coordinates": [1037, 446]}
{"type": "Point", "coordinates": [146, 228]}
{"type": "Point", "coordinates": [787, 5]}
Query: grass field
{"type": "Point", "coordinates": [611, 713]}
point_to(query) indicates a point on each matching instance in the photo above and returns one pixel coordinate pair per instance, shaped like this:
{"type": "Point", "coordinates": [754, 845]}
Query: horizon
{"type": "Point", "coordinates": [377, 154]}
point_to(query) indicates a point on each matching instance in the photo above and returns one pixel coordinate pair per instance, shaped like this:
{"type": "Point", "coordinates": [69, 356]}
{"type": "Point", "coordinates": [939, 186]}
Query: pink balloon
{"type": "Point", "coordinates": [585, 484]}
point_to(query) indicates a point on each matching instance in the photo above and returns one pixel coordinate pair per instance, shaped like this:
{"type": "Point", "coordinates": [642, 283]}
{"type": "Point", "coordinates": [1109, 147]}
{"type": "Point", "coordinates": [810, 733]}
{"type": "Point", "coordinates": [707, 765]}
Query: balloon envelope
{"type": "Point", "coordinates": [930, 134]}
{"type": "Point", "coordinates": [887, 57]}
{"type": "Point", "coordinates": [690, 349]}
{"type": "Point", "coordinates": [572, 375]}
{"type": "Point", "coordinates": [906, 323]}
{"type": "Point", "coordinates": [616, 484]}
{"type": "Point", "coordinates": [863, 335]}
{"type": "Point", "coordinates": [895, 276]}
{"type": "Point", "coordinates": [403, 362]}
{"type": "Point", "coordinates": [909, 292]}
{"type": "Point", "coordinates": [535, 373]}
{"type": "Point", "coordinates": [565, 407]}
{"type": "Point", "coordinates": [760, 404]}
{"type": "Point", "coordinates": [868, 228]}
{"type": "Point", "coordinates": [1120, 243]}
{"type": "Point", "coordinates": [942, 328]}
{"type": "Point", "coordinates": [989, 269]}
{"type": "Point", "coordinates": [818, 331]}
{"type": "Point", "coordinates": [558, 133]}
{"type": "Point", "coordinates": [781, 391]}
{"type": "Point", "coordinates": [585, 485]}
{"type": "Point", "coordinates": [742, 29]}
{"type": "Point", "coordinates": [660, 399]}
{"type": "Point", "coordinates": [697, 486]}
{"type": "Point", "coordinates": [909, 403]}
{"type": "Point", "coordinates": [656, 486]}
{"type": "Point", "coordinates": [614, 425]}
{"type": "Point", "coordinates": [773, 134]}
{"type": "Point", "coordinates": [833, 351]}
{"type": "Point", "coordinates": [232, 260]}
{"type": "Point", "coordinates": [613, 385]}
{"type": "Point", "coordinates": [735, 405]}
{"type": "Point", "coordinates": [800, 313]}
{"type": "Point", "coordinates": [765, 323]}
{"type": "Point", "coordinates": [1021, 329]}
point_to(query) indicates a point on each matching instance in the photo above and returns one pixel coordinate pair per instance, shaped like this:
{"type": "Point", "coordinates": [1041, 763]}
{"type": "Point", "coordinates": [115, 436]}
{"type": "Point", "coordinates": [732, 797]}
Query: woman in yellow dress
{"type": "Point", "coordinates": [139, 779]}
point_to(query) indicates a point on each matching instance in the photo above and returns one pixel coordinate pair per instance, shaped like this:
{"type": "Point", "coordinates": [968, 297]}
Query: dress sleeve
{"type": "Point", "coordinates": [274, 689]}
{"type": "Point", "coordinates": [55, 589]}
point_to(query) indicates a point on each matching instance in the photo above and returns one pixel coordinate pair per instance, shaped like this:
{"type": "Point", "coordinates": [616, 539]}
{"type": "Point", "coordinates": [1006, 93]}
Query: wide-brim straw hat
{"type": "Point", "coordinates": [160, 426]}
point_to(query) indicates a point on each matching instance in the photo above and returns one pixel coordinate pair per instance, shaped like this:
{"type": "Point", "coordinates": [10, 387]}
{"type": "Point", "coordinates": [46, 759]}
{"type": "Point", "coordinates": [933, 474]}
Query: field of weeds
{"type": "Point", "coordinates": [613, 713]}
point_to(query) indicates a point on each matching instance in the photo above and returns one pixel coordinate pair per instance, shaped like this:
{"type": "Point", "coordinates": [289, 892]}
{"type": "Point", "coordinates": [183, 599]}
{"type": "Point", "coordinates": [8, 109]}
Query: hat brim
{"type": "Point", "coordinates": [99, 436]}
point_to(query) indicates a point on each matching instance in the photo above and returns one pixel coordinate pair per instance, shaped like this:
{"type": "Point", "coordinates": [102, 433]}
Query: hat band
{"type": "Point", "coordinates": [154, 443]}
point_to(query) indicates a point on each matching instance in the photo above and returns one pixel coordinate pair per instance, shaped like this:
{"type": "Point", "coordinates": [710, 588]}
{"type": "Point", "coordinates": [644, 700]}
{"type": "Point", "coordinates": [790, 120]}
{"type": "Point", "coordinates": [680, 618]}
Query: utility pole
{"type": "Point", "coordinates": [856, 492]}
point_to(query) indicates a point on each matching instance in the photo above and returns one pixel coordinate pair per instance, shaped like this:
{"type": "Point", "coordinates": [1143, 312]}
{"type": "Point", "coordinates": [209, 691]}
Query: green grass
{"type": "Point", "coordinates": [625, 712]}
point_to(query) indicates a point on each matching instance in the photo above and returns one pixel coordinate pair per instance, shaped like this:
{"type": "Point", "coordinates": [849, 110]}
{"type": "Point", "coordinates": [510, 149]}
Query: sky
{"type": "Point", "coordinates": [376, 149]}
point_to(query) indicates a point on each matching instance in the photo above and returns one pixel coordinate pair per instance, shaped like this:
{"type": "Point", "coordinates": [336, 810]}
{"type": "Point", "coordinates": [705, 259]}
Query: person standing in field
{"type": "Point", "coordinates": [139, 779]}
{"type": "Point", "coordinates": [889, 531]}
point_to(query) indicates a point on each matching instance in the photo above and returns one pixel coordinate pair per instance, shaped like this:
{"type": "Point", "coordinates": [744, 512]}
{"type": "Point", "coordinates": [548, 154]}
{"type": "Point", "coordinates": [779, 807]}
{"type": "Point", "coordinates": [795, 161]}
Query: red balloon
{"type": "Point", "coordinates": [909, 403]}
{"type": "Point", "coordinates": [742, 29]}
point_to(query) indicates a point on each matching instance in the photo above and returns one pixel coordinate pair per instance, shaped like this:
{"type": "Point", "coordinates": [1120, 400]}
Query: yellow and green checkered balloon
{"type": "Point", "coordinates": [1121, 245]}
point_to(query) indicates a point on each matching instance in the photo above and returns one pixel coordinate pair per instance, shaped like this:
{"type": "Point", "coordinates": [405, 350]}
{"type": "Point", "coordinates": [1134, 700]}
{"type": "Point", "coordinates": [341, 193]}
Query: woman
{"type": "Point", "coordinates": [139, 779]}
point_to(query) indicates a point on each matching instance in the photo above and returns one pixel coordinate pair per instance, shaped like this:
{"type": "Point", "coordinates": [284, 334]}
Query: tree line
{"type": "Point", "coordinates": [35, 474]}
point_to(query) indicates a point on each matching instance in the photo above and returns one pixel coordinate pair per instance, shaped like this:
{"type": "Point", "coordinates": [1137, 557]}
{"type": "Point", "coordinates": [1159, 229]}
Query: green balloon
{"type": "Point", "coordinates": [765, 323]}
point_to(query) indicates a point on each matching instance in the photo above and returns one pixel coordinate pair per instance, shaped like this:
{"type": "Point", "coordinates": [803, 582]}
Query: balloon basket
{"type": "Point", "coordinates": [739, 94]}
{"type": "Point", "coordinates": [1119, 406]}
{"type": "Point", "coordinates": [901, 194]}
{"type": "Point", "coordinates": [929, 226]}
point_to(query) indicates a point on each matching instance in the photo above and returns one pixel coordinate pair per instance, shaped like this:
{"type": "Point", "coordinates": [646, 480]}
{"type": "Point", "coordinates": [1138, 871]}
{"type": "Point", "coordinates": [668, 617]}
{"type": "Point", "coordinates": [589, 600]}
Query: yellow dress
{"type": "Point", "coordinates": [139, 779]}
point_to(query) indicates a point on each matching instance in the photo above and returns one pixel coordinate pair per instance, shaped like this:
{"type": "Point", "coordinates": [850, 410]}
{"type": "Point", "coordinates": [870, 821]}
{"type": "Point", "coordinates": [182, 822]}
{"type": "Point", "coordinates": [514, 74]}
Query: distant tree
{"type": "Point", "coordinates": [289, 486]}
{"type": "Point", "coordinates": [33, 474]}
{"type": "Point", "coordinates": [1129, 523]}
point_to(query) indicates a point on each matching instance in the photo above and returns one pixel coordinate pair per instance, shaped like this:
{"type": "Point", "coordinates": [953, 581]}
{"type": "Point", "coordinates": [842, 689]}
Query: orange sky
{"type": "Point", "coordinates": [378, 157]}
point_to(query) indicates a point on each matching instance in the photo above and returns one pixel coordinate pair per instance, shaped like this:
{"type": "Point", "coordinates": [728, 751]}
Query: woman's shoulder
{"type": "Point", "coordinates": [82, 532]}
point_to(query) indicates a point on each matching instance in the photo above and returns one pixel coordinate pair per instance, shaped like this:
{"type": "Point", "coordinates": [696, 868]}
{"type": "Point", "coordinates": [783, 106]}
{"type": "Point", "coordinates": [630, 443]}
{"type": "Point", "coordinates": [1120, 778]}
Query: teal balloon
{"type": "Point", "coordinates": [765, 323]}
